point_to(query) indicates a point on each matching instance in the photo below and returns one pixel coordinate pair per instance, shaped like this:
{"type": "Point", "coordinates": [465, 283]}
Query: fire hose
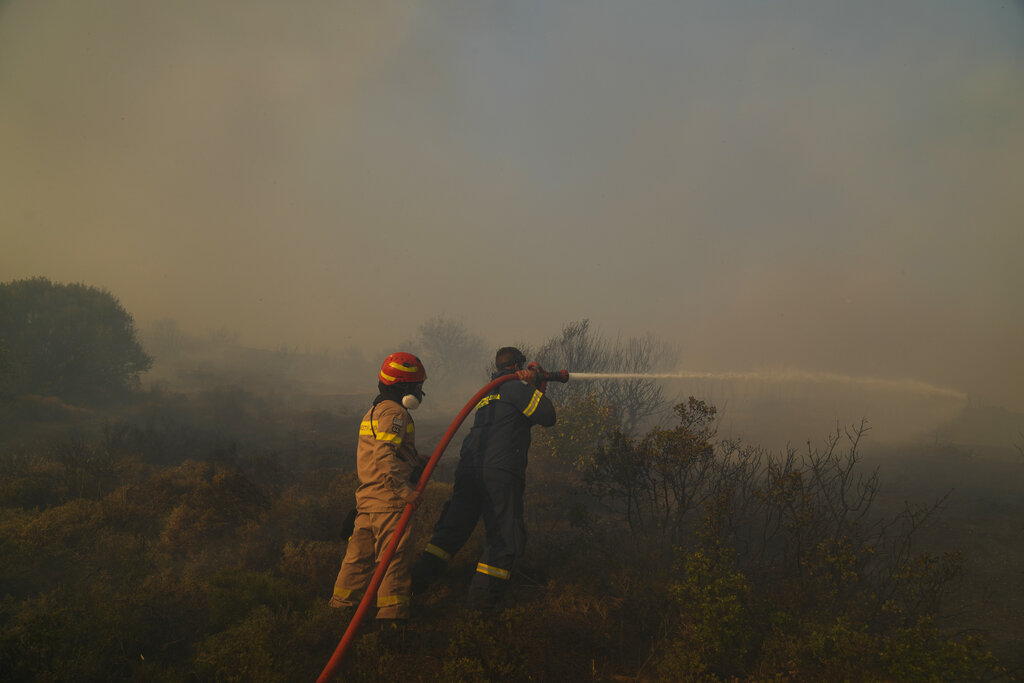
{"type": "Point", "coordinates": [385, 559]}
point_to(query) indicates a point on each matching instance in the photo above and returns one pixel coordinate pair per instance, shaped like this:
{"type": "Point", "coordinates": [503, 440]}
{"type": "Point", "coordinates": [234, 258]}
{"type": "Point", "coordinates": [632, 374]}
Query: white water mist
{"type": "Point", "coordinates": [789, 376]}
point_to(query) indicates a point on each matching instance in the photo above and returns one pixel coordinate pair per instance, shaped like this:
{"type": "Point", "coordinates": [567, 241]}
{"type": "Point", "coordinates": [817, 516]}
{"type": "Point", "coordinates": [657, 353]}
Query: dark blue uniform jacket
{"type": "Point", "coordinates": [500, 436]}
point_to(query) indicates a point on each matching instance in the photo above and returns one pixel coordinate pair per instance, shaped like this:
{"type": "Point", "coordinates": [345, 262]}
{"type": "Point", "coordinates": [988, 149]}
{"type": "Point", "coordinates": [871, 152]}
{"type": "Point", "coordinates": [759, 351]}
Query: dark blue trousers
{"type": "Point", "coordinates": [496, 496]}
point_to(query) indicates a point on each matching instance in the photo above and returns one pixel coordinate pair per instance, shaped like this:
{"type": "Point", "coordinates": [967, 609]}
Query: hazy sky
{"type": "Point", "coordinates": [820, 185]}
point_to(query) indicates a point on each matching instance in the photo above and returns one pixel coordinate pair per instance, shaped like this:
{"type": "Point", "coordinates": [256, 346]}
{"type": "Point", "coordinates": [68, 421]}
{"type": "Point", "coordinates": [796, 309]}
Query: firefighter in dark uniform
{"type": "Point", "coordinates": [489, 483]}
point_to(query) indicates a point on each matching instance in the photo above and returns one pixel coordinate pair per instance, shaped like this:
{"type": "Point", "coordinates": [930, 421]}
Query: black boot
{"type": "Point", "coordinates": [425, 571]}
{"type": "Point", "coordinates": [391, 634]}
{"type": "Point", "coordinates": [486, 592]}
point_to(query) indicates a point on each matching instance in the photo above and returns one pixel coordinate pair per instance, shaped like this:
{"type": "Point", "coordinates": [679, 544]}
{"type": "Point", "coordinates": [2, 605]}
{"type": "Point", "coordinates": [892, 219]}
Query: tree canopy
{"type": "Point", "coordinates": [72, 341]}
{"type": "Point", "coordinates": [455, 358]}
{"type": "Point", "coordinates": [581, 348]}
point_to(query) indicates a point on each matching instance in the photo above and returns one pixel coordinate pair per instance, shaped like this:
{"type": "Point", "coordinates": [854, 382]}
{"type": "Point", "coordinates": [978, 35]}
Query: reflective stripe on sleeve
{"type": "Point", "coordinates": [496, 572]}
{"type": "Point", "coordinates": [532, 405]}
{"type": "Point", "coordinates": [366, 429]}
{"type": "Point", "coordinates": [438, 552]}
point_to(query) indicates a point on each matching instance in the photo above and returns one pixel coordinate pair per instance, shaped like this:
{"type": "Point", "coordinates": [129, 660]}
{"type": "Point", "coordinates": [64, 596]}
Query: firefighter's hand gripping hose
{"type": "Point", "coordinates": [371, 591]}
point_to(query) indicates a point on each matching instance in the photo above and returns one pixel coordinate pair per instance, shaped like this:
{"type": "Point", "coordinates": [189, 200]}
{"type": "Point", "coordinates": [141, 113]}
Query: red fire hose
{"type": "Point", "coordinates": [371, 591]}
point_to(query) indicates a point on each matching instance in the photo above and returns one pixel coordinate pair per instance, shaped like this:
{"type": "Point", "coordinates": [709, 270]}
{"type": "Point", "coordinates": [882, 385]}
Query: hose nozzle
{"type": "Point", "coordinates": [555, 376]}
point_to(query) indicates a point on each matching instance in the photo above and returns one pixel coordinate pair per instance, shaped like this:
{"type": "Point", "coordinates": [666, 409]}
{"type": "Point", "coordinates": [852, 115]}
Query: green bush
{"type": "Point", "coordinates": [718, 633]}
{"type": "Point", "coordinates": [71, 341]}
{"type": "Point", "coordinates": [479, 650]}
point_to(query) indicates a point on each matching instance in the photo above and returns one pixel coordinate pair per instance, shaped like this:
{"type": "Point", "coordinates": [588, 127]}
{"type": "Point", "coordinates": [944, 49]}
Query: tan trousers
{"type": "Point", "coordinates": [372, 534]}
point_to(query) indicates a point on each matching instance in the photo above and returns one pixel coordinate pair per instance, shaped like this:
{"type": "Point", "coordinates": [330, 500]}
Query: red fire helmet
{"type": "Point", "coordinates": [402, 367]}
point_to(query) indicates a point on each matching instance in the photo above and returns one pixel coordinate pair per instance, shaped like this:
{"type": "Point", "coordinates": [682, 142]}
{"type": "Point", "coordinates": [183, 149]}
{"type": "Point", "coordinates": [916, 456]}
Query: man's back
{"type": "Point", "coordinates": [500, 436]}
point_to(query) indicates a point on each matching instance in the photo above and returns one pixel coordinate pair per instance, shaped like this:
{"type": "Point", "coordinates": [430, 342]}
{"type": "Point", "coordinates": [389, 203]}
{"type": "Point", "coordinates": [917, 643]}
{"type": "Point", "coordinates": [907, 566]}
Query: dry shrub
{"type": "Point", "coordinates": [311, 562]}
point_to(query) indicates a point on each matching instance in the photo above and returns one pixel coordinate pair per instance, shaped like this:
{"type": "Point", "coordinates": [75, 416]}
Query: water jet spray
{"type": "Point", "coordinates": [787, 376]}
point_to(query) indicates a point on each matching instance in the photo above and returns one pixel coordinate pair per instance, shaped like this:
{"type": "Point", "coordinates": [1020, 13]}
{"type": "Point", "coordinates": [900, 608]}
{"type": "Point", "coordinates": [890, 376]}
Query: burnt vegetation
{"type": "Point", "coordinates": [180, 536]}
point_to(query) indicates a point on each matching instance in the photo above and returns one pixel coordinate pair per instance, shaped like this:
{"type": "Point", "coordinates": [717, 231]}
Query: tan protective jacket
{"type": "Point", "coordinates": [385, 458]}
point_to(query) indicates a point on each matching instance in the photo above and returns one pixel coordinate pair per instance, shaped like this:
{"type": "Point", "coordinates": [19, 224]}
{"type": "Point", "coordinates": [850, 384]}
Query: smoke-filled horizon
{"type": "Point", "coordinates": [830, 187]}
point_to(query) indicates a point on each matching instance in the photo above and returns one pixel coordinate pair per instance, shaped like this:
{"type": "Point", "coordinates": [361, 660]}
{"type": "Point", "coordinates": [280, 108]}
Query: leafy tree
{"type": "Point", "coordinates": [4, 362]}
{"type": "Point", "coordinates": [580, 348]}
{"type": "Point", "coordinates": [72, 341]}
{"type": "Point", "coordinates": [454, 356]}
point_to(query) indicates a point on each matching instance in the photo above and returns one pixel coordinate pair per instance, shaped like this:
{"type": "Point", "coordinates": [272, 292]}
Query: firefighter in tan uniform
{"type": "Point", "coordinates": [387, 464]}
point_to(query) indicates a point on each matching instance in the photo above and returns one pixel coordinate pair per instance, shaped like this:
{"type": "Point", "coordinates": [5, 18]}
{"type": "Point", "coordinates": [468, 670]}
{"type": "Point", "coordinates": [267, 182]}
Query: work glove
{"type": "Point", "coordinates": [529, 376]}
{"type": "Point", "coordinates": [414, 498]}
{"type": "Point", "coordinates": [535, 366]}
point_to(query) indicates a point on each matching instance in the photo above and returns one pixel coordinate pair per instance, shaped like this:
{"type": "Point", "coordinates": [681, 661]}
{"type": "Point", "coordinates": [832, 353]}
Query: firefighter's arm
{"type": "Point", "coordinates": [545, 413]}
{"type": "Point", "coordinates": [395, 472]}
{"type": "Point", "coordinates": [395, 477]}
{"type": "Point", "coordinates": [532, 402]}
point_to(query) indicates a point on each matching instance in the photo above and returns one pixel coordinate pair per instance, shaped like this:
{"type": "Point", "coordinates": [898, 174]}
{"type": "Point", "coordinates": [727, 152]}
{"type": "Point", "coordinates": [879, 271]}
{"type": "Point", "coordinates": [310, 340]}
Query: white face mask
{"type": "Point", "coordinates": [410, 402]}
